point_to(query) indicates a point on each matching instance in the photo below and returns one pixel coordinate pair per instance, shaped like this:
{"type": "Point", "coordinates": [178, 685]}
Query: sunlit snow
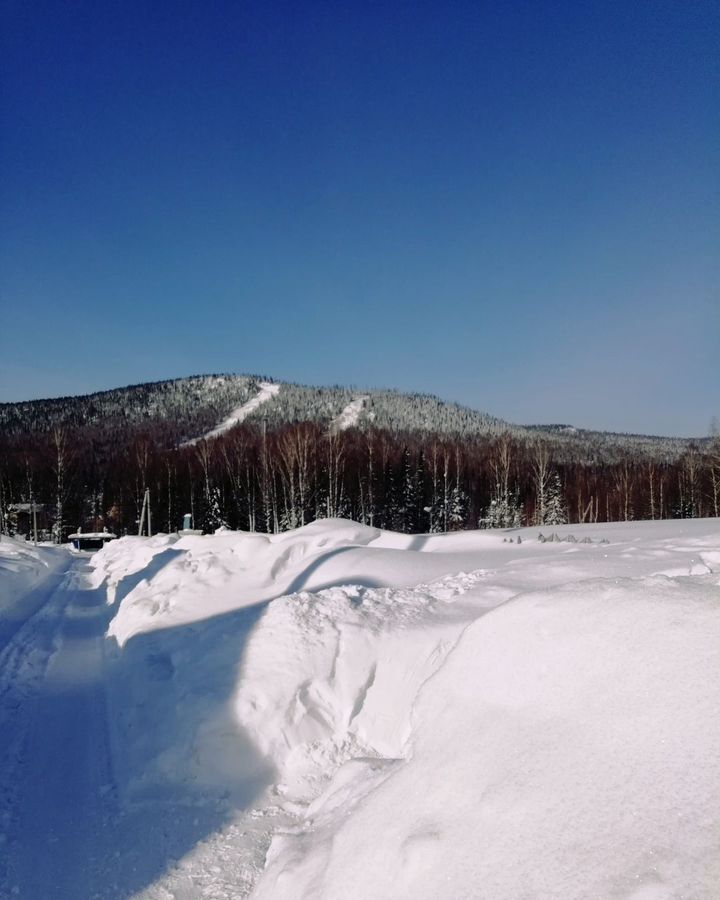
{"type": "Point", "coordinates": [343, 712]}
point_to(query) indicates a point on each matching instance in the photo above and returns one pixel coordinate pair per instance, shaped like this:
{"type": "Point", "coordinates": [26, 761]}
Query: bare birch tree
{"type": "Point", "coordinates": [541, 467]}
{"type": "Point", "coordinates": [61, 462]}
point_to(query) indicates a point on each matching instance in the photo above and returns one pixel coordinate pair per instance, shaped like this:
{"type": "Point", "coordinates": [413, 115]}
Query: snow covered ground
{"type": "Point", "coordinates": [340, 712]}
{"type": "Point", "coordinates": [22, 568]}
{"type": "Point", "coordinates": [239, 414]}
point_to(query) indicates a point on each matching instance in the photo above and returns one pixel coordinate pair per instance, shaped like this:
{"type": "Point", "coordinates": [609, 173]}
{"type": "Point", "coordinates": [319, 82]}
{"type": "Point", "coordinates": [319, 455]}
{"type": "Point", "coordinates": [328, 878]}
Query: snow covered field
{"type": "Point", "coordinates": [339, 712]}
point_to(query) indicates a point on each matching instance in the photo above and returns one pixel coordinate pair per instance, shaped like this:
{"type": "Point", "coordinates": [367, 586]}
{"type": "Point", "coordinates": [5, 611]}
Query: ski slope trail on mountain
{"type": "Point", "coordinates": [239, 414]}
{"type": "Point", "coordinates": [350, 416]}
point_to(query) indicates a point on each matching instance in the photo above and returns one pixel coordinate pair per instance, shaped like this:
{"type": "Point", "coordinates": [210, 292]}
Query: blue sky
{"type": "Point", "coordinates": [512, 205]}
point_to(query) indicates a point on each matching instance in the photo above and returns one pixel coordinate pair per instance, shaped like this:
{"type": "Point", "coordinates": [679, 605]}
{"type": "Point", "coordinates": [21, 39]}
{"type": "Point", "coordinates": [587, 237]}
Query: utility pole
{"type": "Point", "coordinates": [142, 515]}
{"type": "Point", "coordinates": [145, 508]}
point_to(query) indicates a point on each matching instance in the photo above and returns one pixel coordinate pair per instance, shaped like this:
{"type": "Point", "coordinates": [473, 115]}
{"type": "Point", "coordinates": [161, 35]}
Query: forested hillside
{"type": "Point", "coordinates": [287, 454]}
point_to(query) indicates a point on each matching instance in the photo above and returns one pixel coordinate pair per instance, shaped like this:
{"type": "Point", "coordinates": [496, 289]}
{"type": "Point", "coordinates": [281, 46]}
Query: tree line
{"type": "Point", "coordinates": [270, 479]}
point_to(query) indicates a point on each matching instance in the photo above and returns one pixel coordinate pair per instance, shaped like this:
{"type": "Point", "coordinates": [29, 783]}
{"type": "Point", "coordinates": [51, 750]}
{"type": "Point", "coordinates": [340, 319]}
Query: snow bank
{"type": "Point", "coordinates": [169, 581]}
{"type": "Point", "coordinates": [332, 677]}
{"type": "Point", "coordinates": [429, 716]}
{"type": "Point", "coordinates": [22, 566]}
{"type": "Point", "coordinates": [568, 748]}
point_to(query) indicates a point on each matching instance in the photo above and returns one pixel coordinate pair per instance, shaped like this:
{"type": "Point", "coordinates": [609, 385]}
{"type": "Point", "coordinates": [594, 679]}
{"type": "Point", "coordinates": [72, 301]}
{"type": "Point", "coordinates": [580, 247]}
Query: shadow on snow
{"type": "Point", "coordinates": [136, 756]}
{"type": "Point", "coordinates": [147, 573]}
{"type": "Point", "coordinates": [131, 757]}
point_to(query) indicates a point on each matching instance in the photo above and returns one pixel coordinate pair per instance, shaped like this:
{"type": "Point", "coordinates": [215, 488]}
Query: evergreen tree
{"type": "Point", "coordinates": [502, 513]}
{"type": "Point", "coordinates": [457, 512]}
{"type": "Point", "coordinates": [458, 508]}
{"type": "Point", "coordinates": [555, 512]}
{"type": "Point", "coordinates": [212, 517]}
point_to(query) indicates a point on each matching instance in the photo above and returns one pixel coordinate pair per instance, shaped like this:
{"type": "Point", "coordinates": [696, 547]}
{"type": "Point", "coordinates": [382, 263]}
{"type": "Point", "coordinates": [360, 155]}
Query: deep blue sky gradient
{"type": "Point", "coordinates": [513, 205]}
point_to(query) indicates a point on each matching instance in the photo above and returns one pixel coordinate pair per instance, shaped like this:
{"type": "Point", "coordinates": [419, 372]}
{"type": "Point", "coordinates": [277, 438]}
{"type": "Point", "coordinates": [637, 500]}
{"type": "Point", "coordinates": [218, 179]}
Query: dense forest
{"type": "Point", "coordinates": [404, 462]}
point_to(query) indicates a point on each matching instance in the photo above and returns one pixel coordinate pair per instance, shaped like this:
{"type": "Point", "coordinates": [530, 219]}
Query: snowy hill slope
{"type": "Point", "coordinates": [208, 405]}
{"type": "Point", "coordinates": [187, 406]}
{"type": "Point", "coordinates": [391, 716]}
{"type": "Point", "coordinates": [203, 405]}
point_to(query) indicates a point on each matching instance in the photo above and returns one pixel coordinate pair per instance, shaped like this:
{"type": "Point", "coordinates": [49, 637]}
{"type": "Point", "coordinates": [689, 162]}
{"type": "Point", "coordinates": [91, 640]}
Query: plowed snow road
{"type": "Point", "coordinates": [65, 834]}
{"type": "Point", "coordinates": [55, 779]}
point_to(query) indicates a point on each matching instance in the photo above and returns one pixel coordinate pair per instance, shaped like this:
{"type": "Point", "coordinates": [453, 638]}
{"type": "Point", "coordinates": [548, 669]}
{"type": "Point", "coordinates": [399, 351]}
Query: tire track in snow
{"type": "Point", "coordinates": [23, 663]}
{"type": "Point", "coordinates": [54, 756]}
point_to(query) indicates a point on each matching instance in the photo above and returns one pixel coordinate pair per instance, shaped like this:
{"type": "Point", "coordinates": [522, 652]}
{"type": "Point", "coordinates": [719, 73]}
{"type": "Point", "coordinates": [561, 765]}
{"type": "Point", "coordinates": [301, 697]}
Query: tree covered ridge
{"type": "Point", "coordinates": [411, 463]}
{"type": "Point", "coordinates": [187, 408]}
{"type": "Point", "coordinates": [185, 405]}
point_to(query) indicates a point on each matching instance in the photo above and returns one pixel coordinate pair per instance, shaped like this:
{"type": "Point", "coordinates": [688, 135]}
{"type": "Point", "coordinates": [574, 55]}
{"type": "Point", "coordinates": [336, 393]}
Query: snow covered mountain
{"type": "Point", "coordinates": [200, 403]}
{"type": "Point", "coordinates": [261, 455]}
{"type": "Point", "coordinates": [187, 409]}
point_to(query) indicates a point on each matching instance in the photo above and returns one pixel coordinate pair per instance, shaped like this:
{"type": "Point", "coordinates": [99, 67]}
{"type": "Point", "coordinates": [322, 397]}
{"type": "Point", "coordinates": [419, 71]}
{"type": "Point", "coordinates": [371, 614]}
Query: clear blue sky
{"type": "Point", "coordinates": [513, 205]}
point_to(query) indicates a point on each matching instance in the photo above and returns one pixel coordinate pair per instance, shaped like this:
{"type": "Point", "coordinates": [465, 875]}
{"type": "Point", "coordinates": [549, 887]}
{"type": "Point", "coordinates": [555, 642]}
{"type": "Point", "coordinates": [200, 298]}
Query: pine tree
{"type": "Point", "coordinates": [502, 513]}
{"type": "Point", "coordinates": [458, 508]}
{"type": "Point", "coordinates": [213, 518]}
{"type": "Point", "coordinates": [458, 499]}
{"type": "Point", "coordinates": [555, 512]}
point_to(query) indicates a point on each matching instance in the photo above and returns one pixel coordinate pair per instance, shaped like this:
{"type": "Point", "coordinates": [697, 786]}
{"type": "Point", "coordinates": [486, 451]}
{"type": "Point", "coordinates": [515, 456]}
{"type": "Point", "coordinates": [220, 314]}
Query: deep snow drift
{"type": "Point", "coordinates": [565, 745]}
{"type": "Point", "coordinates": [341, 712]}
{"type": "Point", "coordinates": [23, 568]}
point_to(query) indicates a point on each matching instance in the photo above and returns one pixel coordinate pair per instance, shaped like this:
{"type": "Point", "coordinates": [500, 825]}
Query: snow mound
{"type": "Point", "coordinates": [567, 748]}
{"type": "Point", "coordinates": [21, 565]}
{"type": "Point", "coordinates": [426, 716]}
{"type": "Point", "coordinates": [332, 677]}
{"type": "Point", "coordinates": [168, 581]}
{"type": "Point", "coordinates": [23, 568]}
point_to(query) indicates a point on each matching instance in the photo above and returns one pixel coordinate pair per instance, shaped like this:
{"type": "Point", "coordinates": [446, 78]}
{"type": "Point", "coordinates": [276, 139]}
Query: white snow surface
{"type": "Point", "coordinates": [342, 712]}
{"type": "Point", "coordinates": [21, 565]}
{"type": "Point", "coordinates": [239, 414]}
{"type": "Point", "coordinates": [350, 416]}
{"type": "Point", "coordinates": [22, 568]}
